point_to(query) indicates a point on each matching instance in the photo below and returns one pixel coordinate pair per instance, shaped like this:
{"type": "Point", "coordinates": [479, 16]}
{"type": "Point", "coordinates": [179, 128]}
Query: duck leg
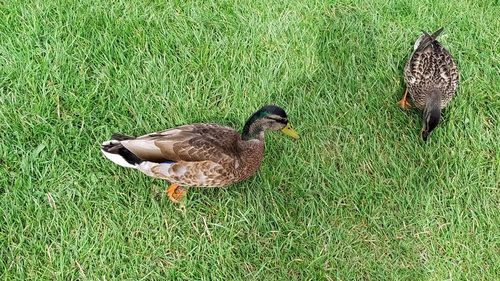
{"type": "Point", "coordinates": [175, 192]}
{"type": "Point", "coordinates": [403, 103]}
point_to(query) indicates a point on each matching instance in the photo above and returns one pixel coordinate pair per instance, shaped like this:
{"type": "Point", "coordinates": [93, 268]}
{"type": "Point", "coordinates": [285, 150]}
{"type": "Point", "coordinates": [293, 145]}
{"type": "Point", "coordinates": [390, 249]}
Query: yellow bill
{"type": "Point", "coordinates": [287, 130]}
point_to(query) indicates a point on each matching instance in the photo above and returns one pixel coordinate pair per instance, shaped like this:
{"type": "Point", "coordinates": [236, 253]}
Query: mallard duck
{"type": "Point", "coordinates": [203, 155]}
{"type": "Point", "coordinates": [431, 79]}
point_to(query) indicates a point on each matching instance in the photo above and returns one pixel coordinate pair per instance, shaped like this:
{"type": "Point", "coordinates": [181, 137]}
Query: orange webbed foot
{"type": "Point", "coordinates": [403, 103]}
{"type": "Point", "coordinates": [175, 192]}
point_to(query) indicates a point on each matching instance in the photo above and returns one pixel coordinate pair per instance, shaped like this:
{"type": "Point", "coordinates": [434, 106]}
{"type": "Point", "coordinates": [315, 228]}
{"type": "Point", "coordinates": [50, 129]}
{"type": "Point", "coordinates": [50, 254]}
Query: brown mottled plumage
{"type": "Point", "coordinates": [431, 79]}
{"type": "Point", "coordinates": [204, 155]}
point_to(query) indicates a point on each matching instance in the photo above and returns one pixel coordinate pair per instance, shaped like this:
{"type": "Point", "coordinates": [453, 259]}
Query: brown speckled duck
{"type": "Point", "coordinates": [431, 79]}
{"type": "Point", "coordinates": [204, 155]}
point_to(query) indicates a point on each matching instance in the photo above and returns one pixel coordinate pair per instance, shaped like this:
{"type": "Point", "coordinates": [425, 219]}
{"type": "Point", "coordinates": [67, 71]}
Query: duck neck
{"type": "Point", "coordinates": [432, 110]}
{"type": "Point", "coordinates": [433, 102]}
{"type": "Point", "coordinates": [434, 98]}
{"type": "Point", "coordinates": [253, 129]}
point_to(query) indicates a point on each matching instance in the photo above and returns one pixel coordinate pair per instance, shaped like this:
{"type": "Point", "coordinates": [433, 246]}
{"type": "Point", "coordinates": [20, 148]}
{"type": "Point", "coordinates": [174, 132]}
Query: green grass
{"type": "Point", "coordinates": [359, 196]}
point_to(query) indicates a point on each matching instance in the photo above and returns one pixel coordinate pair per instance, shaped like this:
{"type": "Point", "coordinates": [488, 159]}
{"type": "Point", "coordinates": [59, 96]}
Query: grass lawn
{"type": "Point", "coordinates": [359, 196]}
